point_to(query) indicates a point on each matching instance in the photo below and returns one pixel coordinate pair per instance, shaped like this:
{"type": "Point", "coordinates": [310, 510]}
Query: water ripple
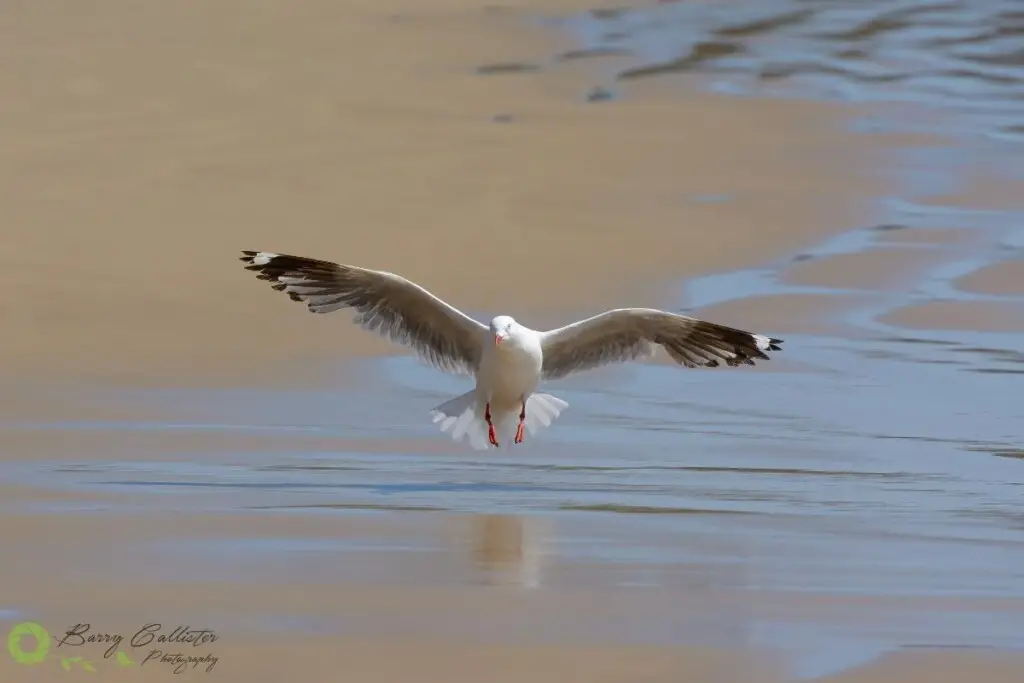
{"type": "Point", "coordinates": [969, 50]}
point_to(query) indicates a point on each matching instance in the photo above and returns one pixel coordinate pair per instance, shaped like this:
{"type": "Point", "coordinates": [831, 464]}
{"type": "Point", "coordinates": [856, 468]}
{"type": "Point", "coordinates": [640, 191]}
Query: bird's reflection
{"type": "Point", "coordinates": [507, 549]}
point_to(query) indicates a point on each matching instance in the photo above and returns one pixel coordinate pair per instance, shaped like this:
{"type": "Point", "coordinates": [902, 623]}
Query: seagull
{"type": "Point", "coordinates": [507, 360]}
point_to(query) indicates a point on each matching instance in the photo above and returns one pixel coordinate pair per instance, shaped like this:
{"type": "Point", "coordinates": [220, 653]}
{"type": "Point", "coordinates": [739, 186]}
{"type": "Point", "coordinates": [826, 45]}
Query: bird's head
{"type": "Point", "coordinates": [502, 327]}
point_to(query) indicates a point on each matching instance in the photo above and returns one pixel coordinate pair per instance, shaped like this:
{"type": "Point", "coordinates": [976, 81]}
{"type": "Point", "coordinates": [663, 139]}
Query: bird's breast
{"type": "Point", "coordinates": [514, 371]}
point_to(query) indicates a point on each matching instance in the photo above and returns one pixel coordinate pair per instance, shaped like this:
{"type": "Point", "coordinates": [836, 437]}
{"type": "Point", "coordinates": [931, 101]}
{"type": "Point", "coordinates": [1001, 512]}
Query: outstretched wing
{"type": "Point", "coordinates": [386, 303]}
{"type": "Point", "coordinates": [627, 334]}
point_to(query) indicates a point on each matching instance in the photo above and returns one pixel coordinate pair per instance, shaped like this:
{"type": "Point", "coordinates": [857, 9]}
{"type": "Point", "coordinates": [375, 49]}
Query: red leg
{"type": "Point", "coordinates": [519, 429]}
{"type": "Point", "coordinates": [490, 425]}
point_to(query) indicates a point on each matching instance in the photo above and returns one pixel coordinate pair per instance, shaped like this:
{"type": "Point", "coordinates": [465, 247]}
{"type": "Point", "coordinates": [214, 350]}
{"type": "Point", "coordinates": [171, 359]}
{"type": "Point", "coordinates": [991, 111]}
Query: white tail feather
{"type": "Point", "coordinates": [542, 410]}
{"type": "Point", "coordinates": [460, 416]}
{"type": "Point", "coordinates": [464, 416]}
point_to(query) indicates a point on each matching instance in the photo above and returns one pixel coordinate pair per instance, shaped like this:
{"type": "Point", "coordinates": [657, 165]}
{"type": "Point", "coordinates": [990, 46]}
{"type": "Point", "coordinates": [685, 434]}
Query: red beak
{"type": "Point", "coordinates": [498, 339]}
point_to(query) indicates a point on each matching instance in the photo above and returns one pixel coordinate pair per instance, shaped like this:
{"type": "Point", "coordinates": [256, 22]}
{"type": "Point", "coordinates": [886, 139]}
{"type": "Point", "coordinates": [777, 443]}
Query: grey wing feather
{"type": "Point", "coordinates": [388, 304]}
{"type": "Point", "coordinates": [628, 334]}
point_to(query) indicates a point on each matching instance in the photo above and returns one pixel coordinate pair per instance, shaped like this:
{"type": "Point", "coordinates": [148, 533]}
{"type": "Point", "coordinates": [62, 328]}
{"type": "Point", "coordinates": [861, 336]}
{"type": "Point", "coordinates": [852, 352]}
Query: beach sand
{"type": "Point", "coordinates": [143, 145]}
{"type": "Point", "coordinates": [174, 138]}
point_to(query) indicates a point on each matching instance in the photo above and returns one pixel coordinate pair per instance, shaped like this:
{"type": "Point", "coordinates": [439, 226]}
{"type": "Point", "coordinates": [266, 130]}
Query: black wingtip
{"type": "Point", "coordinates": [748, 357]}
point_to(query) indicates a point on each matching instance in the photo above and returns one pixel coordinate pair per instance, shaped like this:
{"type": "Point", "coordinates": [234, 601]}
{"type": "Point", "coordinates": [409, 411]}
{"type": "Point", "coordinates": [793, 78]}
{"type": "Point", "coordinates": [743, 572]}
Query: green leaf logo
{"type": "Point", "coordinates": [123, 659]}
{"type": "Point", "coordinates": [28, 628]}
{"type": "Point", "coordinates": [66, 663]}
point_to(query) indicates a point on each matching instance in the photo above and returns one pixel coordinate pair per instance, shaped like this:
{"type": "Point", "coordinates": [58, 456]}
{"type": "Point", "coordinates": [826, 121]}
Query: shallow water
{"type": "Point", "coordinates": [873, 468]}
{"type": "Point", "coordinates": [963, 56]}
{"type": "Point", "coordinates": [797, 483]}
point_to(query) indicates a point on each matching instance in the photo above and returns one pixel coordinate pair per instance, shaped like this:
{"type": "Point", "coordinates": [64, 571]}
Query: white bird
{"type": "Point", "coordinates": [507, 360]}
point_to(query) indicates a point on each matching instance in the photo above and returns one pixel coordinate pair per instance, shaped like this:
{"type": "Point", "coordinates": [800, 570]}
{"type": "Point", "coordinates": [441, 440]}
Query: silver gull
{"type": "Point", "coordinates": [507, 360]}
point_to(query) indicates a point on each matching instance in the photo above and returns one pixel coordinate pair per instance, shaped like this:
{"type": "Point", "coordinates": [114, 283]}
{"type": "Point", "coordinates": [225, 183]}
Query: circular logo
{"type": "Point", "coordinates": [28, 628]}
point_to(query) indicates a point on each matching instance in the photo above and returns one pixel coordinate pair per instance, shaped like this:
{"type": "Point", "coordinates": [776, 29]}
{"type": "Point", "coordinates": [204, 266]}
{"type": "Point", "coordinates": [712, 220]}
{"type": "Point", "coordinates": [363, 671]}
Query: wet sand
{"type": "Point", "coordinates": [1004, 278]}
{"type": "Point", "coordinates": [159, 158]}
{"type": "Point", "coordinates": [182, 445]}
